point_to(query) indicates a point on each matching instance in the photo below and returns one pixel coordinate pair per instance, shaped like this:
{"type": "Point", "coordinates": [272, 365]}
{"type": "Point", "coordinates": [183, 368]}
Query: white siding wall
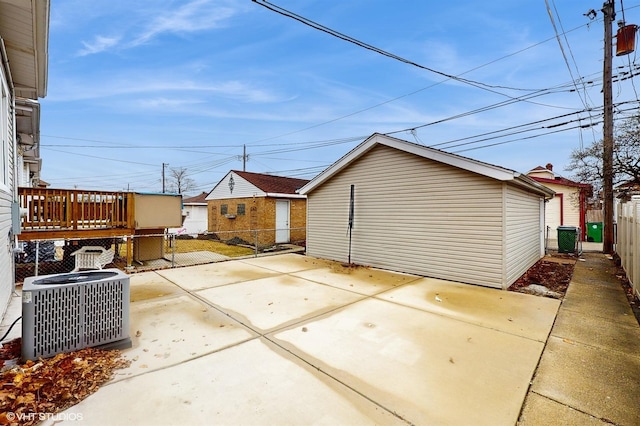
{"type": "Point", "coordinates": [241, 189]}
{"type": "Point", "coordinates": [7, 272]}
{"type": "Point", "coordinates": [523, 232]}
{"type": "Point", "coordinates": [412, 215]}
{"type": "Point", "coordinates": [553, 213]}
{"type": "Point", "coordinates": [570, 205]}
{"type": "Point", "coordinates": [196, 220]}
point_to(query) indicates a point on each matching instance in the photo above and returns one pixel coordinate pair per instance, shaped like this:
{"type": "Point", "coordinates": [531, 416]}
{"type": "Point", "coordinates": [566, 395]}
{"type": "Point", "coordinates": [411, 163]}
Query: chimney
{"type": "Point", "coordinates": [549, 166]}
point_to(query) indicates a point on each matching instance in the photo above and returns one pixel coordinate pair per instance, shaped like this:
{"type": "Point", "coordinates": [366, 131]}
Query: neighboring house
{"type": "Point", "coordinates": [569, 206]}
{"type": "Point", "coordinates": [24, 36]}
{"type": "Point", "coordinates": [424, 211]}
{"type": "Point", "coordinates": [625, 190]}
{"type": "Point", "coordinates": [194, 210]}
{"type": "Point", "coordinates": [258, 207]}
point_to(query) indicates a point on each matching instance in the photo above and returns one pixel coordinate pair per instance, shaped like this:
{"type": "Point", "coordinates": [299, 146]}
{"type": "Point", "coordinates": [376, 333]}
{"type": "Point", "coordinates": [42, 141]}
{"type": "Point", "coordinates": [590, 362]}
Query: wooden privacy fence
{"type": "Point", "coordinates": [44, 209]}
{"type": "Point", "coordinates": [628, 240]}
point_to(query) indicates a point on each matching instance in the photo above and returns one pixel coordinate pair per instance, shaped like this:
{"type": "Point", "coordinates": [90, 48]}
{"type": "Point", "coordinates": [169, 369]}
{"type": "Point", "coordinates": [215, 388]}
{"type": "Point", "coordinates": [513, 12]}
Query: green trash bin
{"type": "Point", "coordinates": [567, 238]}
{"type": "Point", "coordinates": [594, 232]}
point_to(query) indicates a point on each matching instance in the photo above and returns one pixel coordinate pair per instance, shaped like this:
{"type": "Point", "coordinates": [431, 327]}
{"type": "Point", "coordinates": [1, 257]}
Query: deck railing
{"type": "Point", "coordinates": [45, 209]}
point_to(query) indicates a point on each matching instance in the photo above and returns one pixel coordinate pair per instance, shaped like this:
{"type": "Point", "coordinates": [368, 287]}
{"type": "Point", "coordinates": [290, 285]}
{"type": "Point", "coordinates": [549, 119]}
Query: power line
{"type": "Point", "coordinates": [334, 33]}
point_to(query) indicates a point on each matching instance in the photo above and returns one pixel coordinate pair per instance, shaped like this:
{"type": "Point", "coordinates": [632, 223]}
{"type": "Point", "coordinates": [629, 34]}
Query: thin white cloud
{"type": "Point", "coordinates": [151, 21]}
{"type": "Point", "coordinates": [99, 44]}
{"type": "Point", "coordinates": [198, 15]}
{"type": "Point", "coordinates": [163, 88]}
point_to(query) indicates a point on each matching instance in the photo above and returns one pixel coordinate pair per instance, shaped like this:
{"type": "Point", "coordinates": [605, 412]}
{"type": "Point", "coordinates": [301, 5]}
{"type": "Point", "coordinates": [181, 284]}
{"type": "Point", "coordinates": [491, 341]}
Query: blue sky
{"type": "Point", "coordinates": [135, 84]}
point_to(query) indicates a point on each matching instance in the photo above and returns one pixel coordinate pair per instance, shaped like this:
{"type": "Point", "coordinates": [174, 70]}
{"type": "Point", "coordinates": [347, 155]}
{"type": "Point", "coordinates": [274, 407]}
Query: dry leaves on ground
{"type": "Point", "coordinates": [554, 273]}
{"type": "Point", "coordinates": [54, 384]}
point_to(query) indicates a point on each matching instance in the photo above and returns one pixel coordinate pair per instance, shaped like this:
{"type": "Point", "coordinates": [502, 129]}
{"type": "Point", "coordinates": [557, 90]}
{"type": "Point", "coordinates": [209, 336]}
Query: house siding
{"type": "Point", "coordinates": [413, 215]}
{"type": "Point", "coordinates": [570, 205]}
{"type": "Point", "coordinates": [523, 232]}
{"type": "Point", "coordinates": [241, 189]}
{"type": "Point", "coordinates": [7, 267]}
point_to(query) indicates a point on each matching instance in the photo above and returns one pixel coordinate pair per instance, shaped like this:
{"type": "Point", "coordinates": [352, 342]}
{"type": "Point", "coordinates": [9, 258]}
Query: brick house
{"type": "Point", "coordinates": [257, 207]}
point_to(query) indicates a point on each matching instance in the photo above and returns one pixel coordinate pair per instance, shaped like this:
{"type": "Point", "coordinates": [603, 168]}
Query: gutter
{"type": "Point", "coordinates": [280, 195]}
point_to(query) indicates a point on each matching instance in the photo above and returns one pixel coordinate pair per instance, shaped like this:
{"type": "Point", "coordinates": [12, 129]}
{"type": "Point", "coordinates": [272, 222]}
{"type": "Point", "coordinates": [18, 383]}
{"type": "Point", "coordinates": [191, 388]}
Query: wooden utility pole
{"type": "Point", "coordinates": [163, 186]}
{"type": "Point", "coordinates": [244, 158]}
{"type": "Point", "coordinates": [608, 9]}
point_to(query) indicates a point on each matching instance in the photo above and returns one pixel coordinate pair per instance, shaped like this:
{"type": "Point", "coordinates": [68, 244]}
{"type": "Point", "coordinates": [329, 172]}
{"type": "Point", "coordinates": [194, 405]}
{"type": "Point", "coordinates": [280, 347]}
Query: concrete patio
{"type": "Point", "coordinates": [289, 339]}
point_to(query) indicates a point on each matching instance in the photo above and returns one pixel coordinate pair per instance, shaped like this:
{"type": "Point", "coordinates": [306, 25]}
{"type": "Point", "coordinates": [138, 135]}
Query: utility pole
{"type": "Point", "coordinates": [608, 9]}
{"type": "Point", "coordinates": [244, 158]}
{"type": "Point", "coordinates": [163, 166]}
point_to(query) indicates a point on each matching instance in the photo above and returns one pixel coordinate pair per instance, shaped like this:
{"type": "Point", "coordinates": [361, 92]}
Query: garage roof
{"type": "Point", "coordinates": [479, 167]}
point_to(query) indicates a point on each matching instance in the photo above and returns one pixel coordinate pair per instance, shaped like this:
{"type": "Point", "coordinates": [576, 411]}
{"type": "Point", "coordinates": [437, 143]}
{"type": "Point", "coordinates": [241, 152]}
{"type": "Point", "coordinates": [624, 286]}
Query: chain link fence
{"type": "Point", "coordinates": [143, 252]}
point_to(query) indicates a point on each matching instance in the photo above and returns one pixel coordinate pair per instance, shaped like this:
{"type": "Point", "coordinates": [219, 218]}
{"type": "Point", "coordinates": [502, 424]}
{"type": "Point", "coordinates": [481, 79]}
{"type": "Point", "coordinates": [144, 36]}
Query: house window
{"type": "Point", "coordinates": [223, 209]}
{"type": "Point", "coordinates": [241, 209]}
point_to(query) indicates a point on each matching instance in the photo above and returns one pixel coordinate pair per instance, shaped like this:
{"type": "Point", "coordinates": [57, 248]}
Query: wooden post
{"type": "Point", "coordinates": [608, 9]}
{"type": "Point", "coordinates": [129, 240]}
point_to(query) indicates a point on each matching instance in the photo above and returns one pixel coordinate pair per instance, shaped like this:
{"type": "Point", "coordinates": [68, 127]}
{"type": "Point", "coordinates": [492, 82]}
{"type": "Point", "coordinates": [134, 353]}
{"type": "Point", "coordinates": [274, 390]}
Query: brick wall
{"type": "Point", "coordinates": [259, 214]}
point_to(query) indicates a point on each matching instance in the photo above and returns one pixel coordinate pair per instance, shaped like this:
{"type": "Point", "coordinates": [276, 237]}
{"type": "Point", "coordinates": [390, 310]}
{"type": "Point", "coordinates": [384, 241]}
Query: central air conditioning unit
{"type": "Point", "coordinates": [67, 312]}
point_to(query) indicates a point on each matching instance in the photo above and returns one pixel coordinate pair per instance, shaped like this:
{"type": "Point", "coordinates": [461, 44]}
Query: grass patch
{"type": "Point", "coordinates": [187, 246]}
{"type": "Point", "coordinates": [191, 245]}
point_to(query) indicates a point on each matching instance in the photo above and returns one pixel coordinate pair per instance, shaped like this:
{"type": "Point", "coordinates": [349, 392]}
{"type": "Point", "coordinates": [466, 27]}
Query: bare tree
{"type": "Point", "coordinates": [179, 181]}
{"type": "Point", "coordinates": [586, 163]}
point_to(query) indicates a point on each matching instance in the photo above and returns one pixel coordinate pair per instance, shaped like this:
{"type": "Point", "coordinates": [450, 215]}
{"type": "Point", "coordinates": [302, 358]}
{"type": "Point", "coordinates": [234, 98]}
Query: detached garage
{"type": "Point", "coordinates": [401, 206]}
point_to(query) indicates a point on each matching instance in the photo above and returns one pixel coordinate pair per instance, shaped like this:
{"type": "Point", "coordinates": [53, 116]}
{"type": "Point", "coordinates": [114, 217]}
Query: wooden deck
{"type": "Point", "coordinates": [65, 213]}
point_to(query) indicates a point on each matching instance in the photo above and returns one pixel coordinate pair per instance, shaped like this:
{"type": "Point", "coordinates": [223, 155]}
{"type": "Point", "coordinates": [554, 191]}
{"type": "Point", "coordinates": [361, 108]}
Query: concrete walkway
{"type": "Point", "coordinates": [589, 373]}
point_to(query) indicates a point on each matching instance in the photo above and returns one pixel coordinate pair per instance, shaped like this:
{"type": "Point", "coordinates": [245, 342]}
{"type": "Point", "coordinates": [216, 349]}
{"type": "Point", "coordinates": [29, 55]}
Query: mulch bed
{"type": "Point", "coordinates": [553, 272]}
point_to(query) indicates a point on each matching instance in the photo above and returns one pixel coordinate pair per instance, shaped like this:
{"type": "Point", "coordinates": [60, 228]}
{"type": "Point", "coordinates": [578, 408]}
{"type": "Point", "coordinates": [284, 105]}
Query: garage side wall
{"type": "Point", "coordinates": [412, 215]}
{"type": "Point", "coordinates": [523, 232]}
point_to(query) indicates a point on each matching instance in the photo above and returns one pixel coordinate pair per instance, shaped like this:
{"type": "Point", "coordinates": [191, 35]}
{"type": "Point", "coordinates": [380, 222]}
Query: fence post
{"type": "Point", "coordinates": [256, 232]}
{"type": "Point", "coordinates": [129, 241]}
{"type": "Point", "coordinates": [37, 257]}
{"type": "Point", "coordinates": [173, 250]}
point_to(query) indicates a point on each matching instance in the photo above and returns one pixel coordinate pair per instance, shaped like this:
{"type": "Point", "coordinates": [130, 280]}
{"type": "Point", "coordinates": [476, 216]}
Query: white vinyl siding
{"type": "Point", "coordinates": [413, 215]}
{"type": "Point", "coordinates": [570, 206]}
{"type": "Point", "coordinates": [241, 189]}
{"type": "Point", "coordinates": [7, 181]}
{"type": "Point", "coordinates": [553, 213]}
{"type": "Point", "coordinates": [523, 233]}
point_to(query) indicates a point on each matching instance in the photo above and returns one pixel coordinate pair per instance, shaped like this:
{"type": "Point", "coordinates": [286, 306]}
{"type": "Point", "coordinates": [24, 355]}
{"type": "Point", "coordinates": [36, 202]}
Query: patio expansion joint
{"type": "Point", "coordinates": [467, 322]}
{"type": "Point", "coordinates": [417, 278]}
{"type": "Point", "coordinates": [166, 367]}
{"type": "Point", "coordinates": [258, 332]}
{"type": "Point", "coordinates": [607, 421]}
{"type": "Point", "coordinates": [193, 293]}
{"type": "Point", "coordinates": [326, 373]}
{"type": "Point", "coordinates": [535, 370]}
{"type": "Point", "coordinates": [264, 335]}
{"type": "Point", "coordinates": [607, 349]}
